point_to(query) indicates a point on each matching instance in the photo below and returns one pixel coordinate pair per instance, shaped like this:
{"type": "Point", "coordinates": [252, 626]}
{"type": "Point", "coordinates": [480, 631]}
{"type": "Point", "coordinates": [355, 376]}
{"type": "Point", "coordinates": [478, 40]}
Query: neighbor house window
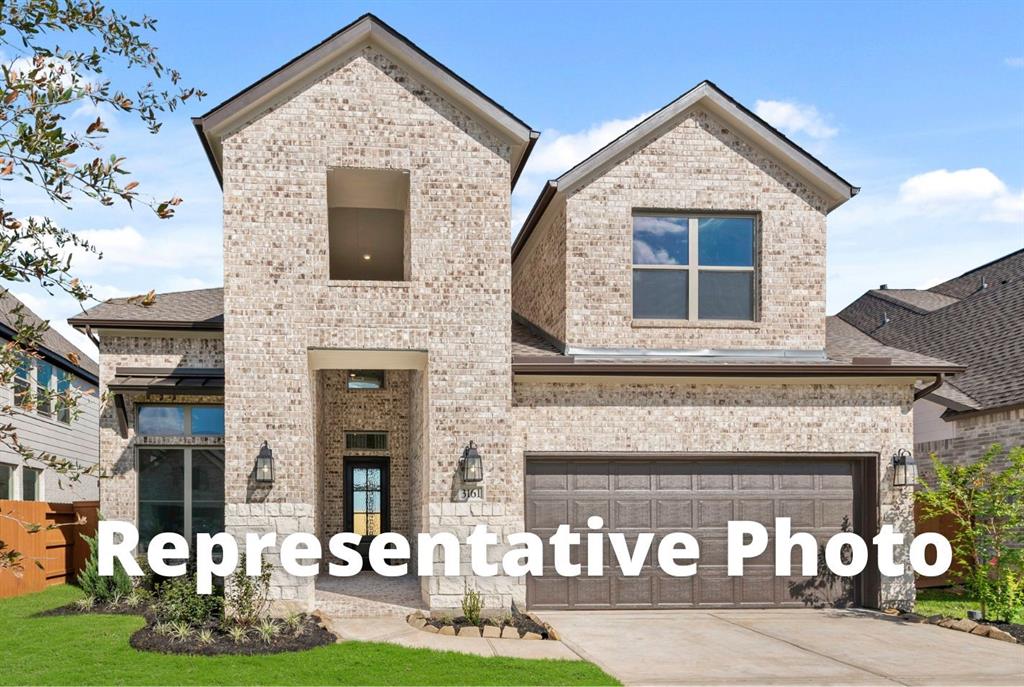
{"type": "Point", "coordinates": [6, 481]}
{"type": "Point", "coordinates": [365, 379]}
{"type": "Point", "coordinates": [368, 224]}
{"type": "Point", "coordinates": [31, 484]}
{"type": "Point", "coordinates": [64, 380]}
{"type": "Point", "coordinates": [23, 383]}
{"type": "Point", "coordinates": [375, 441]}
{"type": "Point", "coordinates": [181, 420]}
{"type": "Point", "coordinates": [693, 267]}
{"type": "Point", "coordinates": [181, 490]}
{"type": "Point", "coordinates": [44, 378]}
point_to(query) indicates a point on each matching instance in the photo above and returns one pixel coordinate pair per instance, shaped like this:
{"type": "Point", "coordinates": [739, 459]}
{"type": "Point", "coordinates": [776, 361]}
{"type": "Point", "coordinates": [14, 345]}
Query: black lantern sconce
{"type": "Point", "coordinates": [471, 465]}
{"type": "Point", "coordinates": [904, 469]}
{"type": "Point", "coordinates": [265, 465]}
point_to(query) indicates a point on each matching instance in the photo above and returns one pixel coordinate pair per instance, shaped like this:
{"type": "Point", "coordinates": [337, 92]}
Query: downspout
{"type": "Point", "coordinates": [939, 378]}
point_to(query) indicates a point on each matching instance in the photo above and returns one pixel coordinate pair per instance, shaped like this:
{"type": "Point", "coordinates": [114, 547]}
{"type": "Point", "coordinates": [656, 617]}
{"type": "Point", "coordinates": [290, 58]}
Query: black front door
{"type": "Point", "coordinates": [366, 500]}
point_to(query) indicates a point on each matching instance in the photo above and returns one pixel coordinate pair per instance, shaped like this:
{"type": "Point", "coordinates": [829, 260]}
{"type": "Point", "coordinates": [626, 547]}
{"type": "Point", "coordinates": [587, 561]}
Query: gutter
{"type": "Point", "coordinates": [921, 393]}
{"type": "Point", "coordinates": [532, 367]}
{"type": "Point", "coordinates": [540, 206]}
{"type": "Point", "coordinates": [202, 325]}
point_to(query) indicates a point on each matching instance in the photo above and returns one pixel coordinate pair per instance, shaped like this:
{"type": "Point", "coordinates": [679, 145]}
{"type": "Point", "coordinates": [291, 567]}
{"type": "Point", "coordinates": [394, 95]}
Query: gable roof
{"type": "Point", "coordinates": [367, 29]}
{"type": "Point", "coordinates": [202, 309]}
{"type": "Point", "coordinates": [53, 347]}
{"type": "Point", "coordinates": [977, 323]}
{"type": "Point", "coordinates": [706, 94]}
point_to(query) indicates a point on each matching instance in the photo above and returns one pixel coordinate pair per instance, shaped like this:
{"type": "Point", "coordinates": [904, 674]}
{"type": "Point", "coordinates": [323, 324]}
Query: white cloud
{"type": "Point", "coordinates": [794, 118]}
{"type": "Point", "coordinates": [127, 249]}
{"type": "Point", "coordinates": [969, 192]}
{"type": "Point", "coordinates": [1015, 62]}
{"type": "Point", "coordinates": [557, 152]}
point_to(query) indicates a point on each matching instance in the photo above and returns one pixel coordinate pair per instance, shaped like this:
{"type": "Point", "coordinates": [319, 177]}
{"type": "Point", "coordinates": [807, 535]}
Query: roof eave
{"type": "Point", "coordinates": [82, 324]}
{"type": "Point", "coordinates": [567, 367]}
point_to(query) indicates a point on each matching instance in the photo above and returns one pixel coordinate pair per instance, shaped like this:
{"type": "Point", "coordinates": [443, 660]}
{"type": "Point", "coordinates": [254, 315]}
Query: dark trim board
{"type": "Point", "coordinates": [865, 471]}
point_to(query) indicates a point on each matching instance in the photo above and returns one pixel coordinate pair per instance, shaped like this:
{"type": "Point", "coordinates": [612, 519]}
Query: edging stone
{"type": "Point", "coordinates": [968, 626]}
{"type": "Point", "coordinates": [419, 621]}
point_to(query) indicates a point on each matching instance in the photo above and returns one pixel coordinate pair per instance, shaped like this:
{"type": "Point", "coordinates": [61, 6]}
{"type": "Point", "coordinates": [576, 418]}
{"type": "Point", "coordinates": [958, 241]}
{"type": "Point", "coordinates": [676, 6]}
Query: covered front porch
{"type": "Point", "coordinates": [369, 417]}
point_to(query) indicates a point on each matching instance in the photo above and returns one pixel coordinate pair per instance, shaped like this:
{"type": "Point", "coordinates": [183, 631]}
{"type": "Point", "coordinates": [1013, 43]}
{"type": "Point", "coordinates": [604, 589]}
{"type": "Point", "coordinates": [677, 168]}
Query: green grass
{"type": "Point", "coordinates": [944, 602]}
{"type": "Point", "coordinates": [94, 649]}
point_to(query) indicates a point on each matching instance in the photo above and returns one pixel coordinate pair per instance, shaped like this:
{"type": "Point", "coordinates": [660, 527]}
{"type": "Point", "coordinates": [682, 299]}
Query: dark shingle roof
{"type": "Point", "coordinates": [982, 329]}
{"type": "Point", "coordinates": [529, 341]}
{"type": "Point", "coordinates": [203, 309]}
{"type": "Point", "coordinates": [51, 339]}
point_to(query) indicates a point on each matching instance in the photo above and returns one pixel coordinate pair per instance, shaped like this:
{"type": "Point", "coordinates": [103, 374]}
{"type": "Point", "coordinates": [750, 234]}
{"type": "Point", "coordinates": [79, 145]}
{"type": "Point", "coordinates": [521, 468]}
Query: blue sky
{"type": "Point", "coordinates": [920, 104]}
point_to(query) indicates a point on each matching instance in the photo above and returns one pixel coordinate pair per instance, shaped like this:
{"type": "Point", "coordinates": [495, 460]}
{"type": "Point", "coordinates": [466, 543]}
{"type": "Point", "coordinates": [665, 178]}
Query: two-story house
{"type": "Point", "coordinates": [654, 349]}
{"type": "Point", "coordinates": [42, 424]}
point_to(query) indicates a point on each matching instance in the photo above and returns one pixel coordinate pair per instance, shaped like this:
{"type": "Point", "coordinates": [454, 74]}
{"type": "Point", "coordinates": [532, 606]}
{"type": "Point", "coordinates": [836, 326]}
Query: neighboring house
{"type": "Point", "coordinates": [41, 424]}
{"type": "Point", "coordinates": [975, 320]}
{"type": "Point", "coordinates": [654, 350]}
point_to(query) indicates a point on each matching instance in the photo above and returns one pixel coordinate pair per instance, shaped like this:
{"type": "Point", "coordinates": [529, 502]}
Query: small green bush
{"type": "Point", "coordinates": [1003, 595]}
{"type": "Point", "coordinates": [177, 601]}
{"type": "Point", "coordinates": [246, 598]}
{"type": "Point", "coordinates": [472, 604]}
{"type": "Point", "coordinates": [103, 589]}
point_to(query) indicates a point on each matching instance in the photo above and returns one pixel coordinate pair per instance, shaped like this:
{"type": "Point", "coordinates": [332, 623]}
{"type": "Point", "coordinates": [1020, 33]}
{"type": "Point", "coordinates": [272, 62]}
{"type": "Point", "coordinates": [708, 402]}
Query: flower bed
{"type": "Point", "coordinates": [512, 625]}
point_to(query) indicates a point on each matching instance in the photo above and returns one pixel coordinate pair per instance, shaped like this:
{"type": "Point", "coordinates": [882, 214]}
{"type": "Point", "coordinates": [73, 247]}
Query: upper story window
{"type": "Point", "coordinates": [368, 224]}
{"type": "Point", "coordinates": [38, 386]}
{"type": "Point", "coordinates": [693, 267]}
{"type": "Point", "coordinates": [181, 420]}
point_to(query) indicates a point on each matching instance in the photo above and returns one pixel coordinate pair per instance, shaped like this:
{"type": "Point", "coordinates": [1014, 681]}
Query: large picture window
{"type": "Point", "coordinates": [181, 490]}
{"type": "Point", "coordinates": [693, 267]}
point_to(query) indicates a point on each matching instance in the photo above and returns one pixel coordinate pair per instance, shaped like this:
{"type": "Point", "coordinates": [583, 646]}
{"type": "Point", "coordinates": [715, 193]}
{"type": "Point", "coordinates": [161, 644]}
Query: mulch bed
{"type": "Point", "coordinates": [313, 634]}
{"type": "Point", "coordinates": [519, 620]}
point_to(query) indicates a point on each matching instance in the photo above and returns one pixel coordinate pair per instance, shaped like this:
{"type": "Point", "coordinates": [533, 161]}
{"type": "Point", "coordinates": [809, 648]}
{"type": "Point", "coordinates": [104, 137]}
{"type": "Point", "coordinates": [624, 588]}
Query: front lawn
{"type": "Point", "coordinates": [948, 602]}
{"type": "Point", "coordinates": [93, 649]}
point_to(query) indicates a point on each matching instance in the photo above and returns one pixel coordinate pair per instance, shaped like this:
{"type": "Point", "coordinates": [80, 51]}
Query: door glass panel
{"type": "Point", "coordinates": [366, 501]}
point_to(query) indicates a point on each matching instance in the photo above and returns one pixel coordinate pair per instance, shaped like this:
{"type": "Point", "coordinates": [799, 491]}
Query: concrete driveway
{"type": "Point", "coordinates": [769, 647]}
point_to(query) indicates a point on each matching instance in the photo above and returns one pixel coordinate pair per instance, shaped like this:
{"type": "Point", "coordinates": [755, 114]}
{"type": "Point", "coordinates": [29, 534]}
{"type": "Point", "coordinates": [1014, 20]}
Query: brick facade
{"type": "Point", "coordinates": [699, 165]}
{"type": "Point", "coordinates": [975, 434]}
{"type": "Point", "coordinates": [119, 491]}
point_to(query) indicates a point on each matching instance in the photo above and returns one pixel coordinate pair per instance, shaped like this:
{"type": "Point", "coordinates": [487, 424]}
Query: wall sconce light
{"type": "Point", "coordinates": [471, 464]}
{"type": "Point", "coordinates": [904, 469]}
{"type": "Point", "coordinates": [265, 464]}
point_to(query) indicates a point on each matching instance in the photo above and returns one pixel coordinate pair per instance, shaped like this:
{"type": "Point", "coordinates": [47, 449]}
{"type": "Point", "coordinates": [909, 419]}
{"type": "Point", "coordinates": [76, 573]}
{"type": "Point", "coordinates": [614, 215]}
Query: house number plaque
{"type": "Point", "coordinates": [463, 494]}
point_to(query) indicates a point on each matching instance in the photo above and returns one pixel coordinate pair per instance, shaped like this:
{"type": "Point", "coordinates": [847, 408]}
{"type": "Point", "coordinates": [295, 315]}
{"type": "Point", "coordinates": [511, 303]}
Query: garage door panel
{"type": "Point", "coordinates": [676, 514]}
{"type": "Point", "coordinates": [694, 496]}
{"type": "Point", "coordinates": [592, 476]}
{"type": "Point", "coordinates": [632, 514]}
{"type": "Point", "coordinates": [715, 513]}
{"type": "Point", "coordinates": [633, 476]}
{"type": "Point", "coordinates": [759, 510]}
{"type": "Point", "coordinates": [584, 508]}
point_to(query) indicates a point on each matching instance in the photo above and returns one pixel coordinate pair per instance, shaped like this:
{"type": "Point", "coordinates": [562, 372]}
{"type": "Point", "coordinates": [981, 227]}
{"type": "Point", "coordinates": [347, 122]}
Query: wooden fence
{"type": "Point", "coordinates": [51, 556]}
{"type": "Point", "coordinates": [946, 526]}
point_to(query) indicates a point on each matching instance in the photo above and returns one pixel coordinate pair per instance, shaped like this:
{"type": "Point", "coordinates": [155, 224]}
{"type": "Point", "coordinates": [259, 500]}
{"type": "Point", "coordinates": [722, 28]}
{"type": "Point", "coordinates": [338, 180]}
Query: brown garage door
{"type": "Point", "coordinates": [636, 495]}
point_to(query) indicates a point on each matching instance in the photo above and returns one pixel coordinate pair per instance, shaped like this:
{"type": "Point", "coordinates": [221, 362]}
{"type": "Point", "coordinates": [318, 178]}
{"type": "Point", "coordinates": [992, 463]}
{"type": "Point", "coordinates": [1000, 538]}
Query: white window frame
{"type": "Point", "coordinates": [12, 471]}
{"type": "Point", "coordinates": [187, 483]}
{"type": "Point", "coordinates": [40, 483]}
{"type": "Point", "coordinates": [33, 388]}
{"type": "Point", "coordinates": [693, 267]}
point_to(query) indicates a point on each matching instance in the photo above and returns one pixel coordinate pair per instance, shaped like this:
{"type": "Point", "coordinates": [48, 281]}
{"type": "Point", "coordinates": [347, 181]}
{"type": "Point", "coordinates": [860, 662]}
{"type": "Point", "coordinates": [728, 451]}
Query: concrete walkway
{"type": "Point", "coordinates": [770, 647]}
{"type": "Point", "coordinates": [398, 631]}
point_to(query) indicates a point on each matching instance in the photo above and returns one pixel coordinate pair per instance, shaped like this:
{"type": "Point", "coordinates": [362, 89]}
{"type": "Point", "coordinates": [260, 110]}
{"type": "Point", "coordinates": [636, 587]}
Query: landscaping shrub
{"type": "Point", "coordinates": [472, 604]}
{"type": "Point", "coordinates": [986, 503]}
{"type": "Point", "coordinates": [246, 598]}
{"type": "Point", "coordinates": [178, 602]}
{"type": "Point", "coordinates": [99, 588]}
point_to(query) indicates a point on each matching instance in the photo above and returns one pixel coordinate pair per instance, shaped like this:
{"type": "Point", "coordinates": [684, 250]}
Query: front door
{"type": "Point", "coordinates": [366, 500]}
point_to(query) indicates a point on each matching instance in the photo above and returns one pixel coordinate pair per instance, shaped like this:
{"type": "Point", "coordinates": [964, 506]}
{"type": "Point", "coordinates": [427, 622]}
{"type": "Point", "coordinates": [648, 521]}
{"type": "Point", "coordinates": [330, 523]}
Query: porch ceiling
{"type": "Point", "coordinates": [366, 359]}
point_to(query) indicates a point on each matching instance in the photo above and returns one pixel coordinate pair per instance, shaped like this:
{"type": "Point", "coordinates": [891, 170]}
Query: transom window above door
{"type": "Point", "coordinates": [693, 267]}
